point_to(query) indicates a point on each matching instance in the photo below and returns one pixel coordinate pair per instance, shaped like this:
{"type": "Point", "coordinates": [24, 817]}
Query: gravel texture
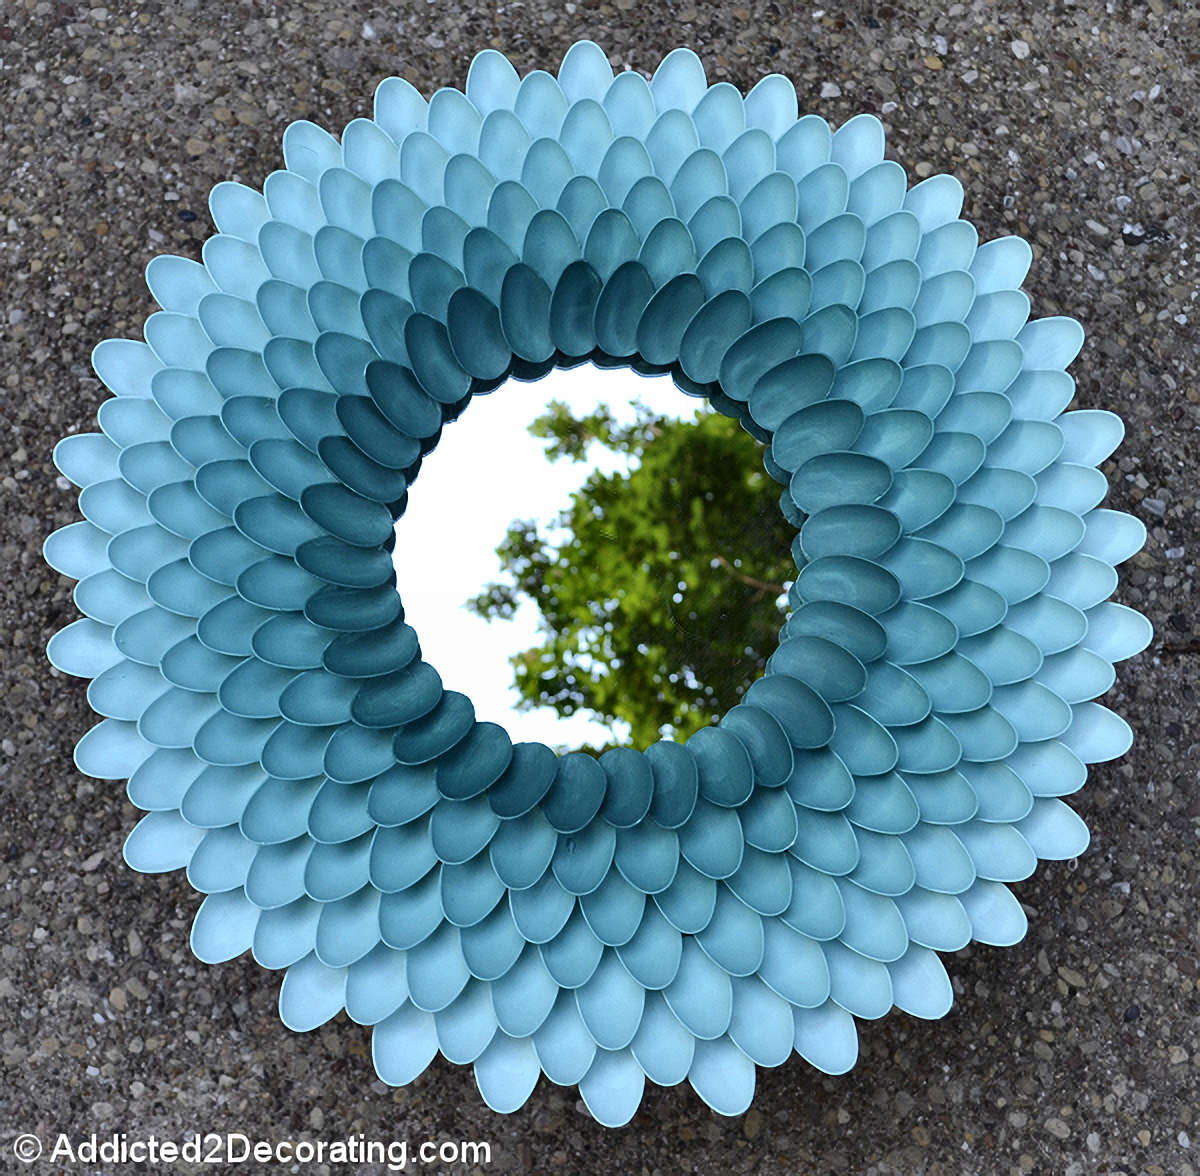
{"type": "Point", "coordinates": [1071, 123]}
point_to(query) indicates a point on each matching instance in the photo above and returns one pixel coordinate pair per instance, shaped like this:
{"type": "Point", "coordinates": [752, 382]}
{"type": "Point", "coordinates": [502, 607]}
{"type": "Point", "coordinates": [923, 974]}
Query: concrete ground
{"type": "Point", "coordinates": [1071, 123]}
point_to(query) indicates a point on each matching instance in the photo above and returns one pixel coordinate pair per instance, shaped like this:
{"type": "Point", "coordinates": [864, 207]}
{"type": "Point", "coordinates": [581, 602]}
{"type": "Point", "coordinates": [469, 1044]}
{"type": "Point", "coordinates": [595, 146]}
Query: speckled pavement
{"type": "Point", "coordinates": [1077, 1051]}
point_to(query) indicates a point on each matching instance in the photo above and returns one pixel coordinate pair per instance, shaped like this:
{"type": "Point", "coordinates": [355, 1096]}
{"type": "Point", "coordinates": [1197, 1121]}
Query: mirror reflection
{"type": "Point", "coordinates": [595, 559]}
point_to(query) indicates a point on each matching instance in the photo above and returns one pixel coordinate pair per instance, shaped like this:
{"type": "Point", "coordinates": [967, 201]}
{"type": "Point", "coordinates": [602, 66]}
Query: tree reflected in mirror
{"type": "Point", "coordinates": [661, 588]}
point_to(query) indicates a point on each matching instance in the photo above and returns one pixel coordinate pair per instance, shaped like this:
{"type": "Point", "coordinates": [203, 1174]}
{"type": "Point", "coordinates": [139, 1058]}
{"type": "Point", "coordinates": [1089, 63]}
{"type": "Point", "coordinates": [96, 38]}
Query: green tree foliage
{"type": "Point", "coordinates": [659, 588]}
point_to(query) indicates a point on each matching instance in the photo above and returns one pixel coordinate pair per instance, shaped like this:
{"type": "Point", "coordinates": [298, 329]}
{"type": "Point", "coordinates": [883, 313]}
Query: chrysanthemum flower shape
{"type": "Point", "coordinates": [687, 911]}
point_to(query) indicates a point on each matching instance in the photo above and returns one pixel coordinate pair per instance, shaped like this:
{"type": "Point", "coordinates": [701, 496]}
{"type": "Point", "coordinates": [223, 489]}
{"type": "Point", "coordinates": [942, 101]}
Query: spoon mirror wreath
{"type": "Point", "coordinates": [684, 911]}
